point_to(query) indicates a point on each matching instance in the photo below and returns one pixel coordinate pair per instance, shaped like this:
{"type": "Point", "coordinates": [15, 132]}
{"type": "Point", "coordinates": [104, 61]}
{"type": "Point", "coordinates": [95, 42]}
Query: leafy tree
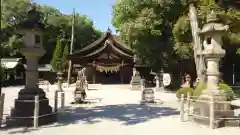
{"type": "Point", "coordinates": [64, 57]}
{"type": "Point", "coordinates": [56, 61]}
{"type": "Point", "coordinates": [146, 25]}
{"type": "Point", "coordinates": [13, 13]}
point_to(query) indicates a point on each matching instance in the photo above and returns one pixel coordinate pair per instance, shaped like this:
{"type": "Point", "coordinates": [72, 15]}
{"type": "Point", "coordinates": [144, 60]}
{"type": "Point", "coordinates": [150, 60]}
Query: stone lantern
{"type": "Point", "coordinates": [60, 79]}
{"type": "Point", "coordinates": [212, 33]}
{"type": "Point", "coordinates": [33, 50]}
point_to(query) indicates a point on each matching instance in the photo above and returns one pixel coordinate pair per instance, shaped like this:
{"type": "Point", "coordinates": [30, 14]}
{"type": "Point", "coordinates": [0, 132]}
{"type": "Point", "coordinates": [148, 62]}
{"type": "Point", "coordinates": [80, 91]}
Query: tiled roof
{"type": "Point", "coordinates": [107, 40]}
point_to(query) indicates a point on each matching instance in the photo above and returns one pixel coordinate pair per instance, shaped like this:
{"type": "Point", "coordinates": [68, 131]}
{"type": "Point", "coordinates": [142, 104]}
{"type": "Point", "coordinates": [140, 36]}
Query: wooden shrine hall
{"type": "Point", "coordinates": [106, 60]}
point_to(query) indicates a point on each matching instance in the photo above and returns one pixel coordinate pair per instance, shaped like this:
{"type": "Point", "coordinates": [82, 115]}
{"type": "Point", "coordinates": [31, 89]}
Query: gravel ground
{"type": "Point", "coordinates": [115, 110]}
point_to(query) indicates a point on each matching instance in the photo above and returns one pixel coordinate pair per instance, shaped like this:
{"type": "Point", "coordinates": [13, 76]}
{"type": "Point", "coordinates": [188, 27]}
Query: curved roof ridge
{"type": "Point", "coordinates": [121, 52]}
{"type": "Point", "coordinates": [96, 51]}
{"type": "Point", "coordinates": [94, 43]}
{"type": "Point", "coordinates": [122, 44]}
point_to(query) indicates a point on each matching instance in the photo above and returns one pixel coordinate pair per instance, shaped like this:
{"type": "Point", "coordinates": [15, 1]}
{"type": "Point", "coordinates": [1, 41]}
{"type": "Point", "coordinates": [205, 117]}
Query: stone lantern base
{"type": "Point", "coordinates": [222, 110]}
{"type": "Point", "coordinates": [26, 109]}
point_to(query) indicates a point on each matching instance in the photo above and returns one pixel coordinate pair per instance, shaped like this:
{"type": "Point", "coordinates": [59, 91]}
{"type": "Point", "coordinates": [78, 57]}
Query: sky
{"type": "Point", "coordinates": [100, 11]}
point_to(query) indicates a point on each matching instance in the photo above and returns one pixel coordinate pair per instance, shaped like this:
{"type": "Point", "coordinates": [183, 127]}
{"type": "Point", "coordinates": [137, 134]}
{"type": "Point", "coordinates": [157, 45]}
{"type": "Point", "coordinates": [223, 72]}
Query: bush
{"type": "Point", "coordinates": [227, 90]}
{"type": "Point", "coordinates": [184, 91]}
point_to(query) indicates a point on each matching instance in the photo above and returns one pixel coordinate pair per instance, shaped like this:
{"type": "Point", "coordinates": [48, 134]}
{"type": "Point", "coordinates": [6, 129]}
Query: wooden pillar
{"type": "Point", "coordinates": [94, 75]}
{"type": "Point", "coordinates": [121, 74]}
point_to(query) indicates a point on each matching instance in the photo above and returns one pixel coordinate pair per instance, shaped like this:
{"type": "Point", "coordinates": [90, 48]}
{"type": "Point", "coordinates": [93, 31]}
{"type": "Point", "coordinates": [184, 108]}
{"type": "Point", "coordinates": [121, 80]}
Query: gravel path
{"type": "Point", "coordinates": [116, 111]}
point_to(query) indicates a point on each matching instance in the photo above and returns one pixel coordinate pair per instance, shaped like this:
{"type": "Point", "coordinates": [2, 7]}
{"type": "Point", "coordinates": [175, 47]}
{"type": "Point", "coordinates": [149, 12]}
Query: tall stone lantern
{"type": "Point", "coordinates": [33, 50]}
{"type": "Point", "coordinates": [212, 33]}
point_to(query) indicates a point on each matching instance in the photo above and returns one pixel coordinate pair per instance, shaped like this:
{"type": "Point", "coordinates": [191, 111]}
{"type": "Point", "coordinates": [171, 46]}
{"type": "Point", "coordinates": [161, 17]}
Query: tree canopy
{"type": "Point", "coordinates": [147, 25]}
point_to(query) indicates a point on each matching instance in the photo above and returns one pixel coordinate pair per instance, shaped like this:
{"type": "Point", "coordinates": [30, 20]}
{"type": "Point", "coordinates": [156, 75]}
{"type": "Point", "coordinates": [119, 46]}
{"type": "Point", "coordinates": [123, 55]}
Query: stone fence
{"type": "Point", "coordinates": [187, 111]}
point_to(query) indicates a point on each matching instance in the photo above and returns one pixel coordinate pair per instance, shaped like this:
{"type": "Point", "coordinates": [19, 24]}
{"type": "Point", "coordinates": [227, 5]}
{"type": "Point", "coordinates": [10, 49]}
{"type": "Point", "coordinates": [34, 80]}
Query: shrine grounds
{"type": "Point", "coordinates": [114, 110]}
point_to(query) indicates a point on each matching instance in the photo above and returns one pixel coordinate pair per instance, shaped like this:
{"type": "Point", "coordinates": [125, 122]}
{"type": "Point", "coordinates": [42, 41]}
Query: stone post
{"type": "Point", "coordinates": [182, 107]}
{"type": "Point", "coordinates": [32, 51]}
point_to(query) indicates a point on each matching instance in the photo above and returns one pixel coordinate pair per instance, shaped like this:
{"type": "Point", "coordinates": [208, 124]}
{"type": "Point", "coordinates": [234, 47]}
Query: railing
{"type": "Point", "coordinates": [36, 108]}
{"type": "Point", "coordinates": [212, 110]}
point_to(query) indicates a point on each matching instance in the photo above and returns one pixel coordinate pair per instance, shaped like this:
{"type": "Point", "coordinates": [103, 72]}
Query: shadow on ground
{"type": "Point", "coordinates": [128, 114]}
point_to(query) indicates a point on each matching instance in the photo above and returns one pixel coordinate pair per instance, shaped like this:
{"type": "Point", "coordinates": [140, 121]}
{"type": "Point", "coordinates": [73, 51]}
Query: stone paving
{"type": "Point", "coordinates": [115, 110]}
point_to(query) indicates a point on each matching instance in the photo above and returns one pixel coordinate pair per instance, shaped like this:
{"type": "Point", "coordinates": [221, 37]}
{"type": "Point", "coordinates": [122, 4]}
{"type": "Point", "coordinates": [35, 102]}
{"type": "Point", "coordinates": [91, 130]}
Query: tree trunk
{"type": "Point", "coordinates": [197, 46]}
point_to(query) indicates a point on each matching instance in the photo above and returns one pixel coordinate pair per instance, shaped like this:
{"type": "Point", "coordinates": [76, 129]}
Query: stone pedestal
{"type": "Point", "coordinates": [222, 110]}
{"type": "Point", "coordinates": [24, 104]}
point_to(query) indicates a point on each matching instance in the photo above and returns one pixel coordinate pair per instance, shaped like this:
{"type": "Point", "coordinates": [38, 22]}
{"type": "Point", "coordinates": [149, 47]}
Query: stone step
{"type": "Point", "coordinates": [233, 122]}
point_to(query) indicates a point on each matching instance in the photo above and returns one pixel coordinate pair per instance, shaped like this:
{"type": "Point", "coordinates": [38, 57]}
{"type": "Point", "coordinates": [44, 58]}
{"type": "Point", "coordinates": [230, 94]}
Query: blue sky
{"type": "Point", "coordinates": [100, 11]}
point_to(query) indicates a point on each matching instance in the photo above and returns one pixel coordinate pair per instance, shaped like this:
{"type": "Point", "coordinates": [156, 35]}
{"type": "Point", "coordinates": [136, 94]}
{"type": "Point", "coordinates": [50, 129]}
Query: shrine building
{"type": "Point", "coordinates": [107, 60]}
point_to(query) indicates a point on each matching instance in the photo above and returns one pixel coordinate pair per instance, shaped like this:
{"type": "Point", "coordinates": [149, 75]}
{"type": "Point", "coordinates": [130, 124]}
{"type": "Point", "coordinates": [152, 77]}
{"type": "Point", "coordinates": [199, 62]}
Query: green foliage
{"type": "Point", "coordinates": [59, 61]}
{"type": "Point", "coordinates": [228, 12]}
{"type": "Point", "coordinates": [146, 25]}
{"type": "Point", "coordinates": [56, 61]}
{"type": "Point", "coordinates": [238, 51]}
{"type": "Point", "coordinates": [64, 57]}
{"type": "Point", "coordinates": [182, 38]}
{"type": "Point", "coordinates": [227, 90]}
{"type": "Point", "coordinates": [184, 91]}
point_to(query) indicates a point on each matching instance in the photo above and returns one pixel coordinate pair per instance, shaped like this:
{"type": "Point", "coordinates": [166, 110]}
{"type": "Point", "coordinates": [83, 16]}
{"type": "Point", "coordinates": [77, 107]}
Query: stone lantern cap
{"type": "Point", "coordinates": [33, 21]}
{"type": "Point", "coordinates": [213, 25]}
